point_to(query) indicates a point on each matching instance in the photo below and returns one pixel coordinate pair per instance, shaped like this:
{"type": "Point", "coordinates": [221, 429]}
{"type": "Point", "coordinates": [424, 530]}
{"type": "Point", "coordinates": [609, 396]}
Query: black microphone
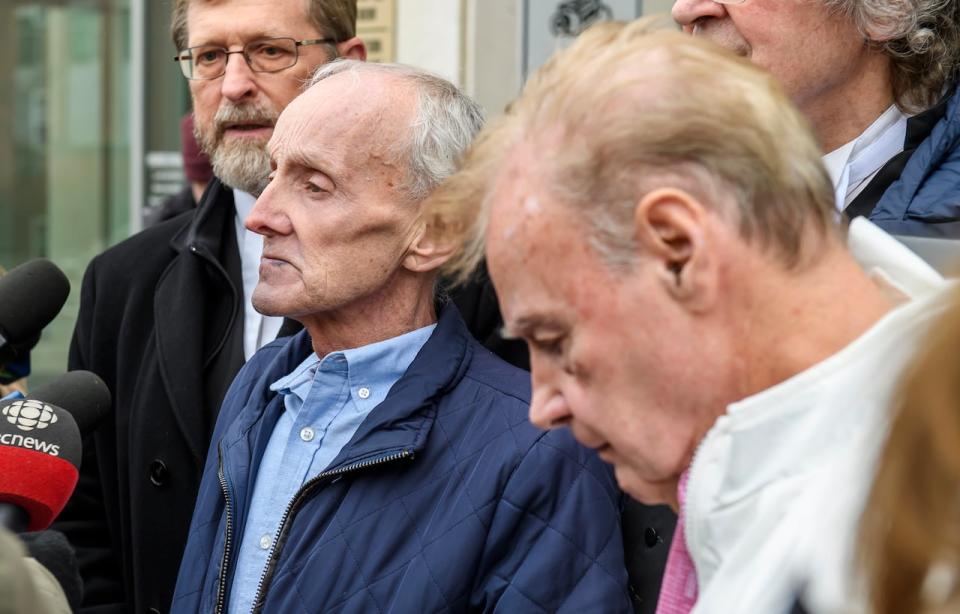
{"type": "Point", "coordinates": [31, 296]}
{"type": "Point", "coordinates": [40, 447]}
{"type": "Point", "coordinates": [83, 392]}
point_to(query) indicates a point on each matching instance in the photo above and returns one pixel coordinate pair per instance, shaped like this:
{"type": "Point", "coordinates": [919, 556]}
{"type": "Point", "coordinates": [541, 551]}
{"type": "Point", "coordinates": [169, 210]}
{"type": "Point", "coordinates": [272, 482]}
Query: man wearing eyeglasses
{"type": "Point", "coordinates": [878, 82]}
{"type": "Point", "coordinates": [165, 316]}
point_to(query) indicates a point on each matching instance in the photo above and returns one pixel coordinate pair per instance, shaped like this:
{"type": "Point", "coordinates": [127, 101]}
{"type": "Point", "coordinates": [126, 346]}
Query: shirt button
{"type": "Point", "coordinates": [651, 538]}
{"type": "Point", "coordinates": [306, 433]}
{"type": "Point", "coordinates": [265, 541]}
{"type": "Point", "coordinates": [364, 393]}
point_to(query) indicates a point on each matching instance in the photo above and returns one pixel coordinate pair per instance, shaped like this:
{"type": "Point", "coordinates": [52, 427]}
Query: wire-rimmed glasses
{"type": "Point", "coordinates": [263, 55]}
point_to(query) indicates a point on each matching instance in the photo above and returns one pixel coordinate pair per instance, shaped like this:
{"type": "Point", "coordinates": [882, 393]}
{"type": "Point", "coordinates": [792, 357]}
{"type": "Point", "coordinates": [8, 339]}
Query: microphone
{"type": "Point", "coordinates": [31, 296]}
{"type": "Point", "coordinates": [40, 448]}
{"type": "Point", "coordinates": [82, 391]}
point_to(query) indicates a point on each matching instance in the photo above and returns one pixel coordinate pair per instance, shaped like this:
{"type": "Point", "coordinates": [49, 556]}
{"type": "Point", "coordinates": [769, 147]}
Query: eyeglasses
{"type": "Point", "coordinates": [264, 55]}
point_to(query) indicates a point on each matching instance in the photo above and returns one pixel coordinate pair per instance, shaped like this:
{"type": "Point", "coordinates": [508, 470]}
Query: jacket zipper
{"type": "Point", "coordinates": [687, 528]}
{"type": "Point", "coordinates": [222, 587]}
{"type": "Point", "coordinates": [298, 498]}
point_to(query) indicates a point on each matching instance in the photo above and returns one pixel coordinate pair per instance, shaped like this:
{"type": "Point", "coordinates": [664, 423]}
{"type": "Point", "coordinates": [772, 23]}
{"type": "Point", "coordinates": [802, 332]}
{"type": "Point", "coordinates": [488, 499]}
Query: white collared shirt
{"type": "Point", "coordinates": [258, 329]}
{"type": "Point", "coordinates": [853, 165]}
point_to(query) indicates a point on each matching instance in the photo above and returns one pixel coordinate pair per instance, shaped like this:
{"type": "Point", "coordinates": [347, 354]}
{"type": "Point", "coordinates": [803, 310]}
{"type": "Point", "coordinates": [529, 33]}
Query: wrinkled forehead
{"type": "Point", "coordinates": [358, 117]}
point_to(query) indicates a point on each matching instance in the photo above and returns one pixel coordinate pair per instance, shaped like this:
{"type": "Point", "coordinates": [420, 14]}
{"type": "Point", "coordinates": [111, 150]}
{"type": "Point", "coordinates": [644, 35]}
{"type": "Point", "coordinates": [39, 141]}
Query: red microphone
{"type": "Point", "coordinates": [40, 448]}
{"type": "Point", "coordinates": [39, 463]}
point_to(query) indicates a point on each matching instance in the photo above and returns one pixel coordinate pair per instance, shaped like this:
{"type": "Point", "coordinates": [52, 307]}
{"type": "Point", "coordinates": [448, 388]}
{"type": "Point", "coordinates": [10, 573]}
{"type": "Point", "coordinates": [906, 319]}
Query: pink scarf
{"type": "Point", "coordinates": [678, 593]}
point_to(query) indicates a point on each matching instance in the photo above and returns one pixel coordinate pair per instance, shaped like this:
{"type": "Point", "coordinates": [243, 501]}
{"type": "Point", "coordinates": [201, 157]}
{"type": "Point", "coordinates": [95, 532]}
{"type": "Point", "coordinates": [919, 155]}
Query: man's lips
{"type": "Point", "coordinates": [247, 129]}
{"type": "Point", "coordinates": [273, 259]}
{"type": "Point", "coordinates": [276, 262]}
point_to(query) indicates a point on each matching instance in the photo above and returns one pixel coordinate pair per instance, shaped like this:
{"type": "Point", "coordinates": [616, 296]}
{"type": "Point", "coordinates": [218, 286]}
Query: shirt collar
{"type": "Point", "coordinates": [243, 202]}
{"type": "Point", "coordinates": [371, 370]}
{"type": "Point", "coordinates": [852, 164]}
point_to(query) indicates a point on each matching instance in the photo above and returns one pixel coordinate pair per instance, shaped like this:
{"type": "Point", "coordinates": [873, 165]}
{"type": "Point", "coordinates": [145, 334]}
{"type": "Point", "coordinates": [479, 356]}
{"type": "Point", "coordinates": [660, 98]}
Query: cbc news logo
{"type": "Point", "coordinates": [29, 415]}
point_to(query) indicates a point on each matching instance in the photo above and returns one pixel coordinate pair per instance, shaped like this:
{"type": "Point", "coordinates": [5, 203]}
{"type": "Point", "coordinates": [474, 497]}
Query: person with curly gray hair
{"type": "Point", "coordinates": [877, 80]}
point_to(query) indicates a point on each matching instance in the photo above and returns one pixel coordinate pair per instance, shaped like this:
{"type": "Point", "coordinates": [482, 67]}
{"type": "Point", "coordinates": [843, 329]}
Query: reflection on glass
{"type": "Point", "coordinates": [64, 142]}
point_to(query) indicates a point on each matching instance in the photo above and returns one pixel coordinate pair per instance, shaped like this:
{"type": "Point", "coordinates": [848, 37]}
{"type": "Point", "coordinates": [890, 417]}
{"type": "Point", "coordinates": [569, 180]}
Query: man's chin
{"type": "Point", "coordinates": [267, 305]}
{"type": "Point", "coordinates": [245, 168]}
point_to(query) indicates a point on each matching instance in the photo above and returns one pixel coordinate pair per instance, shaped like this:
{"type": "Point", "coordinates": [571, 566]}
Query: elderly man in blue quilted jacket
{"type": "Point", "coordinates": [879, 83]}
{"type": "Point", "coordinates": [381, 460]}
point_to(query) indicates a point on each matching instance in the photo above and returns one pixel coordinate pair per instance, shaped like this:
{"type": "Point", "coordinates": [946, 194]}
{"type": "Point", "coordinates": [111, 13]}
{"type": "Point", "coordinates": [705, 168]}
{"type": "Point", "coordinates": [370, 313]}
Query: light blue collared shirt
{"type": "Point", "coordinates": [325, 401]}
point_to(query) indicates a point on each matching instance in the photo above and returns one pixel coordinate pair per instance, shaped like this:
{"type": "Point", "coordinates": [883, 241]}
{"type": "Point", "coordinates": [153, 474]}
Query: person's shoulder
{"type": "Point", "coordinates": [148, 241]}
{"type": "Point", "coordinates": [269, 352]}
{"type": "Point", "coordinates": [151, 248]}
{"type": "Point", "coordinates": [272, 361]}
{"type": "Point", "coordinates": [491, 372]}
{"type": "Point", "coordinates": [509, 388]}
{"type": "Point", "coordinates": [488, 399]}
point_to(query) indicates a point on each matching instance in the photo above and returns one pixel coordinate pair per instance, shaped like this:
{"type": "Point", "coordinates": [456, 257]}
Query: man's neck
{"type": "Point", "coordinates": [369, 321]}
{"type": "Point", "coordinates": [840, 115]}
{"type": "Point", "coordinates": [802, 319]}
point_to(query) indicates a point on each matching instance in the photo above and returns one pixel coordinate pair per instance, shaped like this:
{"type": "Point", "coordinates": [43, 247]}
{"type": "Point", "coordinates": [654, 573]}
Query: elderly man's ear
{"type": "Point", "coordinates": [428, 251]}
{"type": "Point", "coordinates": [352, 49]}
{"type": "Point", "coordinates": [674, 238]}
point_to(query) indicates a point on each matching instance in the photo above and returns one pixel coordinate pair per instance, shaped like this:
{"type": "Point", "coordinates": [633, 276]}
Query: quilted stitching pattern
{"type": "Point", "coordinates": [491, 515]}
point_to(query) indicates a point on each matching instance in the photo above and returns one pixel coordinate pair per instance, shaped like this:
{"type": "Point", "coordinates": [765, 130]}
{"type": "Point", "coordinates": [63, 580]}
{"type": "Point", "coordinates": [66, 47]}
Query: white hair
{"type": "Point", "coordinates": [446, 122]}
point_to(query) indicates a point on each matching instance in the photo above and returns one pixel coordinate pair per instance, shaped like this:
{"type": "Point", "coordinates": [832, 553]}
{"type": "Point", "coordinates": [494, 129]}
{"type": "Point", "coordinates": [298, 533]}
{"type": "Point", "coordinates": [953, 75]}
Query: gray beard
{"type": "Point", "coordinates": [242, 166]}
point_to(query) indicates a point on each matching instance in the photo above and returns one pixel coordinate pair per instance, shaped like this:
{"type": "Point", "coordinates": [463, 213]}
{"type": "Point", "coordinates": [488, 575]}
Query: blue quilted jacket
{"type": "Point", "coordinates": [445, 500]}
{"type": "Point", "coordinates": [925, 200]}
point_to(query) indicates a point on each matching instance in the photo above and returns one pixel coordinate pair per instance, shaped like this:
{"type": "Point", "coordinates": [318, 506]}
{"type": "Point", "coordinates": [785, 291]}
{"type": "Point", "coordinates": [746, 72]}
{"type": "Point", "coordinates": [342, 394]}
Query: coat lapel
{"type": "Point", "coordinates": [186, 338]}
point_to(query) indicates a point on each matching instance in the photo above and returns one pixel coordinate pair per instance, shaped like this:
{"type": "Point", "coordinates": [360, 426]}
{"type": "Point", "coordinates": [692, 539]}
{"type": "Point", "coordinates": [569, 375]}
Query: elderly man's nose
{"type": "Point", "coordinates": [548, 409]}
{"type": "Point", "coordinates": [267, 217]}
{"type": "Point", "coordinates": [685, 12]}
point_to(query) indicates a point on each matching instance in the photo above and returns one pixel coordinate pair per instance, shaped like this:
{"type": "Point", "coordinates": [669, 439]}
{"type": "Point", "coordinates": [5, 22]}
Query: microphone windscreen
{"type": "Point", "coordinates": [82, 393]}
{"type": "Point", "coordinates": [39, 459]}
{"type": "Point", "coordinates": [31, 296]}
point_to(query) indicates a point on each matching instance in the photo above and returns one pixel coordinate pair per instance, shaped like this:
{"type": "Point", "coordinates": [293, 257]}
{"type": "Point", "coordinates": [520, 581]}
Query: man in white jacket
{"type": "Point", "coordinates": [661, 231]}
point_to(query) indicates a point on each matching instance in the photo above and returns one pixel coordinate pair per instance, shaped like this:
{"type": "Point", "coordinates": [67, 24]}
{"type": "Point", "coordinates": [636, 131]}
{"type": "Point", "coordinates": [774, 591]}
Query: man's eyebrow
{"type": "Point", "coordinates": [301, 158]}
{"type": "Point", "coordinates": [260, 35]}
{"type": "Point", "coordinates": [525, 324]}
{"type": "Point", "coordinates": [307, 158]}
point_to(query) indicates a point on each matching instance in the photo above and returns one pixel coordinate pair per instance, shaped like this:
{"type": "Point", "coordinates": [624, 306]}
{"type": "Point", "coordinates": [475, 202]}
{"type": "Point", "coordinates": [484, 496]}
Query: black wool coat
{"type": "Point", "coordinates": [161, 322]}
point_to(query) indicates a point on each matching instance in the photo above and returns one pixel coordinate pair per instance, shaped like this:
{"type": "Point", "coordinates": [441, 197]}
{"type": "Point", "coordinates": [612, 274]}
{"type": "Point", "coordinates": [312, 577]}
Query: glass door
{"type": "Point", "coordinates": [64, 143]}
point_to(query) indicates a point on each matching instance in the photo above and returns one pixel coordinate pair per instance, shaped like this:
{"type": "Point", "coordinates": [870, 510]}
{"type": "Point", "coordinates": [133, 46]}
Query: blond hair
{"type": "Point", "coordinates": [910, 523]}
{"type": "Point", "coordinates": [632, 101]}
{"type": "Point", "coordinates": [336, 19]}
